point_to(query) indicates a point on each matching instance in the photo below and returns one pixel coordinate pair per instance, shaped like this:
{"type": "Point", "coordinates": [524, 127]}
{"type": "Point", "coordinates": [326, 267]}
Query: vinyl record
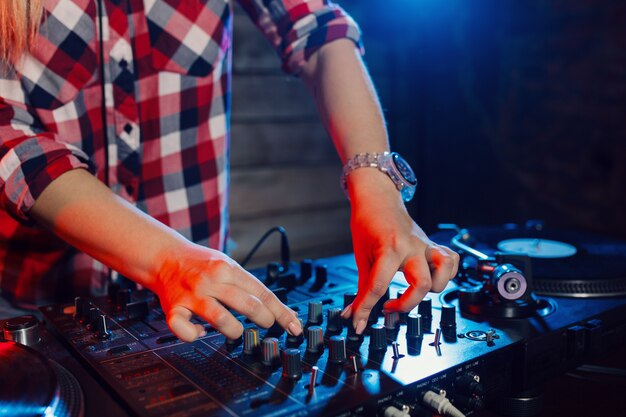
{"type": "Point", "coordinates": [564, 262]}
{"type": "Point", "coordinates": [33, 386]}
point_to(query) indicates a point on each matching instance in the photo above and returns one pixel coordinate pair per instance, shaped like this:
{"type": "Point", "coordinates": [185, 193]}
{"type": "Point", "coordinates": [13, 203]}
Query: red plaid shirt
{"type": "Point", "coordinates": [142, 102]}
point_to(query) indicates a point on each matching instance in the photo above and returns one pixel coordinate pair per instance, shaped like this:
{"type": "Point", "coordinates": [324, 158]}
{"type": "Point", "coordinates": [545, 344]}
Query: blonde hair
{"type": "Point", "coordinates": [19, 24]}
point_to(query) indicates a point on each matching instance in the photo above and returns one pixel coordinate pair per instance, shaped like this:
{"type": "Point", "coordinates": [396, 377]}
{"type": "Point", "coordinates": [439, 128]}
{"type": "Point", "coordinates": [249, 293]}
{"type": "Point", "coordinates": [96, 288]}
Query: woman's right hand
{"type": "Point", "coordinates": [197, 280]}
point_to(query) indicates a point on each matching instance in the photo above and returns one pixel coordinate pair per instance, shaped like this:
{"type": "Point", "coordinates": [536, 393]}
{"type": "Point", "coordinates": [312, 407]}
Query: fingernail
{"type": "Point", "coordinates": [294, 328]}
{"type": "Point", "coordinates": [346, 312]}
{"type": "Point", "coordinates": [202, 333]}
{"type": "Point", "coordinates": [360, 326]}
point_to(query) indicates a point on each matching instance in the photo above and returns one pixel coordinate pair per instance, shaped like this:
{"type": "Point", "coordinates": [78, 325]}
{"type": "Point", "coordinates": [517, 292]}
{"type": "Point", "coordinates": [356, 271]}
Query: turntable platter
{"type": "Point", "coordinates": [538, 248]}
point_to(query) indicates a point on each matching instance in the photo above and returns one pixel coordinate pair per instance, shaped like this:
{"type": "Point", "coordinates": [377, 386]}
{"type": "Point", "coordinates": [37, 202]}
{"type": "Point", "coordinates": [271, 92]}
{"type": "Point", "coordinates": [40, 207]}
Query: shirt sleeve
{"type": "Point", "coordinates": [298, 28]}
{"type": "Point", "coordinates": [30, 158]}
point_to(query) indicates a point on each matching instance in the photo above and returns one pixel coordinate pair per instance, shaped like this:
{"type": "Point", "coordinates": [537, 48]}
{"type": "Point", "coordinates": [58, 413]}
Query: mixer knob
{"type": "Point", "coordinates": [269, 347]}
{"type": "Point", "coordinates": [306, 271]}
{"type": "Point", "coordinates": [101, 328]}
{"type": "Point", "coordinates": [348, 298]}
{"type": "Point", "coordinates": [425, 309]}
{"type": "Point", "coordinates": [123, 298]}
{"type": "Point", "coordinates": [250, 341]}
{"type": "Point", "coordinates": [295, 341]}
{"type": "Point", "coordinates": [448, 316]}
{"type": "Point", "coordinates": [334, 322]}
{"type": "Point", "coordinates": [402, 315]}
{"type": "Point", "coordinates": [391, 320]}
{"type": "Point", "coordinates": [315, 313]}
{"type": "Point", "coordinates": [414, 326]}
{"type": "Point", "coordinates": [321, 277]}
{"type": "Point", "coordinates": [78, 308]}
{"type": "Point", "coordinates": [23, 330]}
{"type": "Point", "coordinates": [315, 339]}
{"type": "Point", "coordinates": [292, 365]}
{"type": "Point", "coordinates": [86, 305]}
{"type": "Point", "coordinates": [378, 337]}
{"type": "Point", "coordinates": [378, 308]}
{"type": "Point", "coordinates": [337, 349]}
{"type": "Point", "coordinates": [92, 318]}
{"type": "Point", "coordinates": [272, 271]}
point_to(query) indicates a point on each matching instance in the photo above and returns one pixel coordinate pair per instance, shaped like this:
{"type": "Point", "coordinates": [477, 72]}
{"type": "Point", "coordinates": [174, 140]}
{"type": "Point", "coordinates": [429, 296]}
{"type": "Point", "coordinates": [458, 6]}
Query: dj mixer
{"type": "Point", "coordinates": [115, 355]}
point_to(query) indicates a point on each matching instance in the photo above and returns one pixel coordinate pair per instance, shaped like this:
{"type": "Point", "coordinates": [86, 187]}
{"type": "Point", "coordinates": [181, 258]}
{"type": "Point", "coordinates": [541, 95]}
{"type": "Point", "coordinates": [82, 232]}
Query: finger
{"type": "Point", "coordinates": [285, 316]}
{"type": "Point", "coordinates": [246, 304]}
{"type": "Point", "coordinates": [455, 259]}
{"type": "Point", "coordinates": [441, 265]}
{"type": "Point", "coordinates": [380, 276]}
{"type": "Point", "coordinates": [221, 319]}
{"type": "Point", "coordinates": [417, 274]}
{"type": "Point", "coordinates": [179, 322]}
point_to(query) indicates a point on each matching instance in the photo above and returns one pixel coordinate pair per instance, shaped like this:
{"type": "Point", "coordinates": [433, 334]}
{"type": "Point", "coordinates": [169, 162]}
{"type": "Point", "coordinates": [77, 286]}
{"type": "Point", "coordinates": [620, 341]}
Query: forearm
{"type": "Point", "coordinates": [88, 215]}
{"type": "Point", "coordinates": [350, 110]}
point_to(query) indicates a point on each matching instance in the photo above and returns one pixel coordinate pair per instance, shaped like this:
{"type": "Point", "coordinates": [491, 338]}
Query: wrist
{"type": "Point", "coordinates": [367, 182]}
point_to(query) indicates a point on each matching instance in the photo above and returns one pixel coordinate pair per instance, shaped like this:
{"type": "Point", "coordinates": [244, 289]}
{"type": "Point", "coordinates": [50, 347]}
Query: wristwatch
{"type": "Point", "coordinates": [391, 164]}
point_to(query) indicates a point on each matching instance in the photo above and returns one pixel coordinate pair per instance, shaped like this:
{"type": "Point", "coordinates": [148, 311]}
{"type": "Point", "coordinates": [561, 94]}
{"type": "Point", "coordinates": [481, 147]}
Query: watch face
{"type": "Point", "coordinates": [405, 169]}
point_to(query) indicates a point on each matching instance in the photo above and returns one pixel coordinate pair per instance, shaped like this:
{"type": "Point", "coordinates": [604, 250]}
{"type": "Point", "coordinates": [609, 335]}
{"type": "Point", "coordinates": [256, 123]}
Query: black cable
{"type": "Point", "coordinates": [285, 256]}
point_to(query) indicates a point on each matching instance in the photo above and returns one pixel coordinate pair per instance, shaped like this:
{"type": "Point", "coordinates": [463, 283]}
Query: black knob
{"type": "Point", "coordinates": [269, 348]}
{"type": "Point", "coordinates": [448, 316]}
{"type": "Point", "coordinates": [272, 271]}
{"type": "Point", "coordinates": [92, 318]}
{"type": "Point", "coordinates": [306, 271]}
{"type": "Point", "coordinates": [86, 305]}
{"type": "Point", "coordinates": [292, 365]}
{"type": "Point", "coordinates": [414, 326]}
{"type": "Point", "coordinates": [101, 328]}
{"type": "Point", "coordinates": [337, 349]}
{"type": "Point", "coordinates": [250, 341]}
{"type": "Point", "coordinates": [123, 298]}
{"type": "Point", "coordinates": [315, 339]}
{"type": "Point", "coordinates": [78, 308]}
{"type": "Point", "coordinates": [334, 322]}
{"type": "Point", "coordinates": [348, 298]}
{"type": "Point", "coordinates": [287, 281]}
{"type": "Point", "coordinates": [378, 308]}
{"type": "Point", "coordinates": [321, 277]}
{"type": "Point", "coordinates": [392, 319]}
{"type": "Point", "coordinates": [295, 341]}
{"type": "Point", "coordinates": [425, 309]}
{"type": "Point", "coordinates": [378, 337]}
{"type": "Point", "coordinates": [315, 313]}
{"type": "Point", "coordinates": [402, 315]}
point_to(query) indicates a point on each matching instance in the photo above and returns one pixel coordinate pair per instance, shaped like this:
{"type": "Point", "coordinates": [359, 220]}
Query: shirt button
{"type": "Point", "coordinates": [128, 128]}
{"type": "Point", "coordinates": [123, 63]}
{"type": "Point", "coordinates": [130, 189]}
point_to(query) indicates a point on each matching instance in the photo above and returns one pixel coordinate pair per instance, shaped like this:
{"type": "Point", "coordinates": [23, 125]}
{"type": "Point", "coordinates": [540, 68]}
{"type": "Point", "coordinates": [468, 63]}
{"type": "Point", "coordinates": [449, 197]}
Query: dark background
{"type": "Point", "coordinates": [507, 110]}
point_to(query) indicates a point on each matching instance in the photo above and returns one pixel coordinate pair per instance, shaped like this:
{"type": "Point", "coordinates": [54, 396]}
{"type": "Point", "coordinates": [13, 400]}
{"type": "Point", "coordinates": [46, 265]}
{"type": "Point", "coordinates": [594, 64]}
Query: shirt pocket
{"type": "Point", "coordinates": [189, 36]}
{"type": "Point", "coordinates": [65, 57]}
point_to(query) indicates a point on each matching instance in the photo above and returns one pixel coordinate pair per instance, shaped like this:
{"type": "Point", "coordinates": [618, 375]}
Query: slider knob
{"type": "Point", "coordinates": [101, 328]}
{"type": "Point", "coordinates": [414, 326]}
{"type": "Point", "coordinates": [269, 348]}
{"type": "Point", "coordinates": [315, 339]}
{"type": "Point", "coordinates": [321, 277]}
{"type": "Point", "coordinates": [315, 313]}
{"type": "Point", "coordinates": [448, 316]}
{"type": "Point", "coordinates": [250, 341]}
{"type": "Point", "coordinates": [378, 337]}
{"type": "Point", "coordinates": [292, 365]}
{"type": "Point", "coordinates": [337, 349]}
{"type": "Point", "coordinates": [335, 322]}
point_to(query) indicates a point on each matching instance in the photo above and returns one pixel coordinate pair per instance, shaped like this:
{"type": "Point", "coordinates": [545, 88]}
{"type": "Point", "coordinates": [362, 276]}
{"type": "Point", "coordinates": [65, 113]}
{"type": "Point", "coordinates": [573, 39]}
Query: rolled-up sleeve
{"type": "Point", "coordinates": [298, 28]}
{"type": "Point", "coordinates": [30, 158]}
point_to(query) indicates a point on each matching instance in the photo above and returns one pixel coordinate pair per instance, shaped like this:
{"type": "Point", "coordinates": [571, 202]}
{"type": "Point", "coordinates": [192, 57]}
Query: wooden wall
{"type": "Point", "coordinates": [284, 168]}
